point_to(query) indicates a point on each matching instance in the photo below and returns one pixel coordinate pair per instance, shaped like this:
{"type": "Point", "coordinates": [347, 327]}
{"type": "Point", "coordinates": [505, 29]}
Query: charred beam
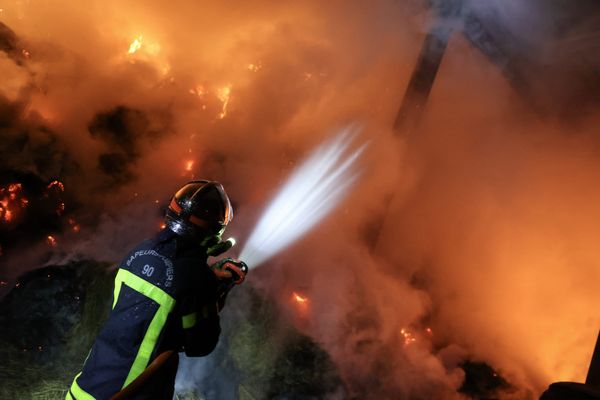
{"type": "Point", "coordinates": [421, 81]}
{"type": "Point", "coordinates": [427, 65]}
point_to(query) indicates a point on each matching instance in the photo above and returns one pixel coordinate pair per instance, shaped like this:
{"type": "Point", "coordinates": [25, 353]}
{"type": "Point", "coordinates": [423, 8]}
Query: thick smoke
{"type": "Point", "coordinates": [487, 250]}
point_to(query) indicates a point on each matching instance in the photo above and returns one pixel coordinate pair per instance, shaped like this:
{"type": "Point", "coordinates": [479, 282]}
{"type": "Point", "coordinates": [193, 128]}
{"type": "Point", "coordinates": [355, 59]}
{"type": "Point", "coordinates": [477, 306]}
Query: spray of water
{"type": "Point", "coordinates": [312, 191]}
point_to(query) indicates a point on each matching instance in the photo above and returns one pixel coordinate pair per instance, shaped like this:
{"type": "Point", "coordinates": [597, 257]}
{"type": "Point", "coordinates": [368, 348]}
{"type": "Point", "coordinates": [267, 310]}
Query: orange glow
{"type": "Point", "coordinates": [74, 225]}
{"type": "Point", "coordinates": [56, 184]}
{"type": "Point", "coordinates": [189, 165]}
{"type": "Point", "coordinates": [135, 45]}
{"type": "Point", "coordinates": [51, 240]}
{"type": "Point", "coordinates": [12, 202]}
{"type": "Point", "coordinates": [299, 299]}
{"type": "Point", "coordinates": [254, 67]}
{"type": "Point", "coordinates": [408, 336]}
{"type": "Point", "coordinates": [224, 95]}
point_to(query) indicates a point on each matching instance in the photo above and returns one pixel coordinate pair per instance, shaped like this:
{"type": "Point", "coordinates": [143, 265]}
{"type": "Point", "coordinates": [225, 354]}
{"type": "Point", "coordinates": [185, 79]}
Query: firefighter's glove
{"type": "Point", "coordinates": [229, 271]}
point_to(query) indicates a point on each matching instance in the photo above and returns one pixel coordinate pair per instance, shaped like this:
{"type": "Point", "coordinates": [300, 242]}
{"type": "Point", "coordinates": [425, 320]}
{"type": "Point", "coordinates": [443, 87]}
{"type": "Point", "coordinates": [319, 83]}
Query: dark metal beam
{"type": "Point", "coordinates": [422, 78]}
{"type": "Point", "coordinates": [428, 63]}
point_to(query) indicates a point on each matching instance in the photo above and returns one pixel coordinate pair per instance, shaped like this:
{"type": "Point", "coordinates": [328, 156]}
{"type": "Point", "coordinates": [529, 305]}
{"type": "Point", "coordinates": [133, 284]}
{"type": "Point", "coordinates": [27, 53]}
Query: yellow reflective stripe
{"type": "Point", "coordinates": [166, 304]}
{"type": "Point", "coordinates": [68, 396]}
{"type": "Point", "coordinates": [189, 321]}
{"type": "Point", "coordinates": [78, 392]}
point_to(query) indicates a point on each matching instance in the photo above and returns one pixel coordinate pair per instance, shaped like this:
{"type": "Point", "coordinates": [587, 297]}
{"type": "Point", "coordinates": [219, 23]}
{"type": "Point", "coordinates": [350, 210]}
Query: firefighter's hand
{"type": "Point", "coordinates": [230, 270]}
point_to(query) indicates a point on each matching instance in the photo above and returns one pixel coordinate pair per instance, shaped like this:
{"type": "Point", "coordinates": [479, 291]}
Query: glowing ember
{"type": "Point", "coordinates": [12, 202]}
{"type": "Point", "coordinates": [299, 299]}
{"type": "Point", "coordinates": [135, 45]}
{"type": "Point", "coordinates": [409, 338]}
{"type": "Point", "coordinates": [74, 225]}
{"type": "Point", "coordinates": [224, 94]}
{"type": "Point", "coordinates": [51, 240]}
{"type": "Point", "coordinates": [254, 67]}
{"type": "Point", "coordinates": [56, 184]}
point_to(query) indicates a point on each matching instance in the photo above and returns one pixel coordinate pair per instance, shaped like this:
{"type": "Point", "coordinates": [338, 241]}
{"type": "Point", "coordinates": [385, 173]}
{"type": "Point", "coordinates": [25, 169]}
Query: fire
{"type": "Point", "coordinates": [56, 184]}
{"type": "Point", "coordinates": [135, 45]}
{"type": "Point", "coordinates": [189, 165]}
{"type": "Point", "coordinates": [51, 240]}
{"type": "Point", "coordinates": [58, 188]}
{"type": "Point", "coordinates": [299, 299]}
{"type": "Point", "coordinates": [224, 94]}
{"type": "Point", "coordinates": [408, 336]}
{"type": "Point", "coordinates": [11, 202]}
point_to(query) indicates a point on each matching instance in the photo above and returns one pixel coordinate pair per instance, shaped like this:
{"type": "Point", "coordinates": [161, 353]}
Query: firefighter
{"type": "Point", "coordinates": [166, 299]}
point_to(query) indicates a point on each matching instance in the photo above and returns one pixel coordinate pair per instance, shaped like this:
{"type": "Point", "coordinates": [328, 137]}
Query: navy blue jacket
{"type": "Point", "coordinates": [165, 298]}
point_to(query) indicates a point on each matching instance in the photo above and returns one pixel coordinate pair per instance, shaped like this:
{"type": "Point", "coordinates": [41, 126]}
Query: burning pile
{"type": "Point", "coordinates": [12, 202]}
{"type": "Point", "coordinates": [493, 219]}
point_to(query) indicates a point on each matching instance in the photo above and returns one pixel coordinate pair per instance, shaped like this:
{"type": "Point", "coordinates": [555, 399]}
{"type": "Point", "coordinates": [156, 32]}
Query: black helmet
{"type": "Point", "coordinates": [200, 209]}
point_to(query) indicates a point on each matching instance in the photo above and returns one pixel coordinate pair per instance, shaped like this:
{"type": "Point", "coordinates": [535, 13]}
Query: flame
{"type": "Point", "coordinates": [59, 188]}
{"type": "Point", "coordinates": [56, 184]}
{"type": "Point", "coordinates": [51, 240]}
{"type": "Point", "coordinates": [408, 336]}
{"type": "Point", "coordinates": [224, 94]}
{"type": "Point", "coordinates": [135, 45]}
{"type": "Point", "coordinates": [11, 202]}
{"type": "Point", "coordinates": [299, 299]}
{"type": "Point", "coordinates": [189, 165]}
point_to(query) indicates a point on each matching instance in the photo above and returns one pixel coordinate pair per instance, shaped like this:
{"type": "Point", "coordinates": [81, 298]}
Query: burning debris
{"type": "Point", "coordinates": [299, 299]}
{"type": "Point", "coordinates": [529, 189]}
{"type": "Point", "coordinates": [224, 94]}
{"type": "Point", "coordinates": [12, 202]}
{"type": "Point", "coordinates": [51, 240]}
{"type": "Point", "coordinates": [135, 45]}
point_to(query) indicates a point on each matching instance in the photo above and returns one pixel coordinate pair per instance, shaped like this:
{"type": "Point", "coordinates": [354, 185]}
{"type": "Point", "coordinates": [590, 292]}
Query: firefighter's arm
{"type": "Point", "coordinates": [201, 330]}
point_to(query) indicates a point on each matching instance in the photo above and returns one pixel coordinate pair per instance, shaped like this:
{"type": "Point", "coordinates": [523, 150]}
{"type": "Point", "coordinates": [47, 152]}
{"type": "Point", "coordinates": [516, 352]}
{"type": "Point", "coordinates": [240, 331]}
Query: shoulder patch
{"type": "Point", "coordinates": [147, 270]}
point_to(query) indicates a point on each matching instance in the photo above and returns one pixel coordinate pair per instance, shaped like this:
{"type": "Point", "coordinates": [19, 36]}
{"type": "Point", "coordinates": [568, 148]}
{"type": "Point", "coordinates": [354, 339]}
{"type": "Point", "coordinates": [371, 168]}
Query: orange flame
{"type": "Point", "coordinates": [299, 299]}
{"type": "Point", "coordinates": [189, 165]}
{"type": "Point", "coordinates": [51, 240]}
{"type": "Point", "coordinates": [224, 94]}
{"type": "Point", "coordinates": [408, 336]}
{"type": "Point", "coordinates": [56, 184]}
{"type": "Point", "coordinates": [135, 45]}
{"type": "Point", "coordinates": [11, 202]}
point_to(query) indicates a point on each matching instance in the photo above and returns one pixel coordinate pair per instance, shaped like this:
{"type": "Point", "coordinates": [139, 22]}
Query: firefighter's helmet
{"type": "Point", "coordinates": [200, 210]}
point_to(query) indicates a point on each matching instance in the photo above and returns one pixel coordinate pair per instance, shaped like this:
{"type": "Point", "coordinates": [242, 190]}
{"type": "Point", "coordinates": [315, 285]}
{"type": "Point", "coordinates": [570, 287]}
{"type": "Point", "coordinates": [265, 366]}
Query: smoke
{"type": "Point", "coordinates": [487, 250]}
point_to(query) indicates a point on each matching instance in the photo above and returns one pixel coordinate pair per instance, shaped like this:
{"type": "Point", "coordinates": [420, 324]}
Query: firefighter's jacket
{"type": "Point", "coordinates": [164, 299]}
